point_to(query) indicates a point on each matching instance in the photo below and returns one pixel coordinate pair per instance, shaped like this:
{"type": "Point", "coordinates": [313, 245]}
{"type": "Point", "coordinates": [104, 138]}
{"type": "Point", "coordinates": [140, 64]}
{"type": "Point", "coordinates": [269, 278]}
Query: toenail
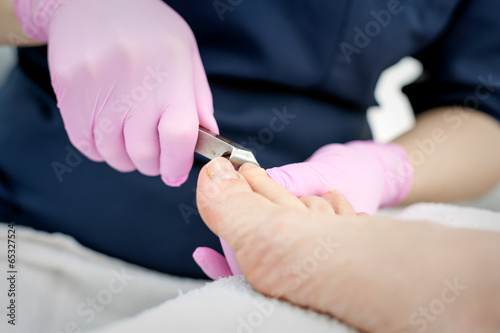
{"type": "Point", "coordinates": [221, 168]}
{"type": "Point", "coordinates": [247, 166]}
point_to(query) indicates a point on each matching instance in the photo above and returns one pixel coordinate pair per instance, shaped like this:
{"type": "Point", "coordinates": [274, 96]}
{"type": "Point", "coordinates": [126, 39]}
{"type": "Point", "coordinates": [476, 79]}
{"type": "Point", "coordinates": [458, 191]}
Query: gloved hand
{"type": "Point", "coordinates": [129, 81]}
{"type": "Point", "coordinates": [370, 175]}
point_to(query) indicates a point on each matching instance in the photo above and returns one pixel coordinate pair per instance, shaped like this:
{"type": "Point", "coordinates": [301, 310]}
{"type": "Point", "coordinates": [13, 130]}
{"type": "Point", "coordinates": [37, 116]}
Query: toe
{"type": "Point", "coordinates": [227, 203]}
{"type": "Point", "coordinates": [339, 203]}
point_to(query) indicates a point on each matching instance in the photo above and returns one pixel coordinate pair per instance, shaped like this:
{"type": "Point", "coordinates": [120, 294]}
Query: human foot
{"type": "Point", "coordinates": [216, 265]}
{"type": "Point", "coordinates": [375, 274]}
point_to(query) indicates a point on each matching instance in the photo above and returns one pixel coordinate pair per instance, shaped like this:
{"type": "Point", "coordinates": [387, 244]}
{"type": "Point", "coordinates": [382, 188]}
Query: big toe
{"type": "Point", "coordinates": [227, 203]}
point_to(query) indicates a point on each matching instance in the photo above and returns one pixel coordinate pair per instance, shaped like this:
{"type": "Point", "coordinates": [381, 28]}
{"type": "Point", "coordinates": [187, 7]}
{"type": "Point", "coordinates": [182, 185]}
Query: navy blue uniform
{"type": "Point", "coordinates": [287, 77]}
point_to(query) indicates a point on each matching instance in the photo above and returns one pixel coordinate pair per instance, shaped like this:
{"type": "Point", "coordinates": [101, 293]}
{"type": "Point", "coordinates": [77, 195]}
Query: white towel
{"type": "Point", "coordinates": [227, 305]}
{"type": "Point", "coordinates": [453, 216]}
{"type": "Point", "coordinates": [58, 279]}
{"type": "Point", "coordinates": [56, 275]}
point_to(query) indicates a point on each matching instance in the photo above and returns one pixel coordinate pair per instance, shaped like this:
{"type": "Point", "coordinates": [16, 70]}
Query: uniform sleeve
{"type": "Point", "coordinates": [462, 67]}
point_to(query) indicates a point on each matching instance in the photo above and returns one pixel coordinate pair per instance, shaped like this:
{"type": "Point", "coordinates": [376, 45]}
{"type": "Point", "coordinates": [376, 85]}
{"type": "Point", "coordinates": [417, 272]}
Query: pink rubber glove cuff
{"type": "Point", "coordinates": [35, 15]}
{"type": "Point", "coordinates": [398, 173]}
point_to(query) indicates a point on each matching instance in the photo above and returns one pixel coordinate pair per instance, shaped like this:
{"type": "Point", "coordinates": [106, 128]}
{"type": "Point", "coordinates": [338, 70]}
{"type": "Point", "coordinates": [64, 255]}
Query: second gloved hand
{"type": "Point", "coordinates": [129, 81]}
{"type": "Point", "coordinates": [369, 174]}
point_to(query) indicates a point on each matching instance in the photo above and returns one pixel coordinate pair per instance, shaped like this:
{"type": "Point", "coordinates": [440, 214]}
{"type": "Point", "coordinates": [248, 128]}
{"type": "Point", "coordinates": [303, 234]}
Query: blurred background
{"type": "Point", "coordinates": [391, 118]}
{"type": "Point", "coordinates": [7, 58]}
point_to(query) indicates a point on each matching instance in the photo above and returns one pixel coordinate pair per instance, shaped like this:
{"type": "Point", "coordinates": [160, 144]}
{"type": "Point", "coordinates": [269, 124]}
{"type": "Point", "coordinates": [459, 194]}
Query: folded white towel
{"type": "Point", "coordinates": [65, 287]}
{"type": "Point", "coordinates": [227, 305]}
{"type": "Point", "coordinates": [57, 276]}
{"type": "Point", "coordinates": [453, 216]}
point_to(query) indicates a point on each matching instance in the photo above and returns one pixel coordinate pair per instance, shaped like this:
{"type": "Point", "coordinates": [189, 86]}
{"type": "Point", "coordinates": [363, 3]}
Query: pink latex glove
{"type": "Point", "coordinates": [214, 264]}
{"type": "Point", "coordinates": [129, 81]}
{"type": "Point", "coordinates": [370, 175]}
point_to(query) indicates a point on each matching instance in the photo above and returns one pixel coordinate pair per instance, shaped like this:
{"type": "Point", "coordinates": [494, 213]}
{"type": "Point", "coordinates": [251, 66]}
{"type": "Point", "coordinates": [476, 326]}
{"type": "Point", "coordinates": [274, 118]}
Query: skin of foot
{"type": "Point", "coordinates": [375, 274]}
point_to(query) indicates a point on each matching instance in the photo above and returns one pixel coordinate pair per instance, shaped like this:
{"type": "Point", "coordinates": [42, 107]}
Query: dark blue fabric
{"type": "Point", "coordinates": [462, 67]}
{"type": "Point", "coordinates": [287, 77]}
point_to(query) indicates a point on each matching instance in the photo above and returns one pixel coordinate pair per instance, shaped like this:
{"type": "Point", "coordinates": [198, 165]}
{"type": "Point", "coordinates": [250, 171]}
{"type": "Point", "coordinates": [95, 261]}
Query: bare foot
{"type": "Point", "coordinates": [378, 275]}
